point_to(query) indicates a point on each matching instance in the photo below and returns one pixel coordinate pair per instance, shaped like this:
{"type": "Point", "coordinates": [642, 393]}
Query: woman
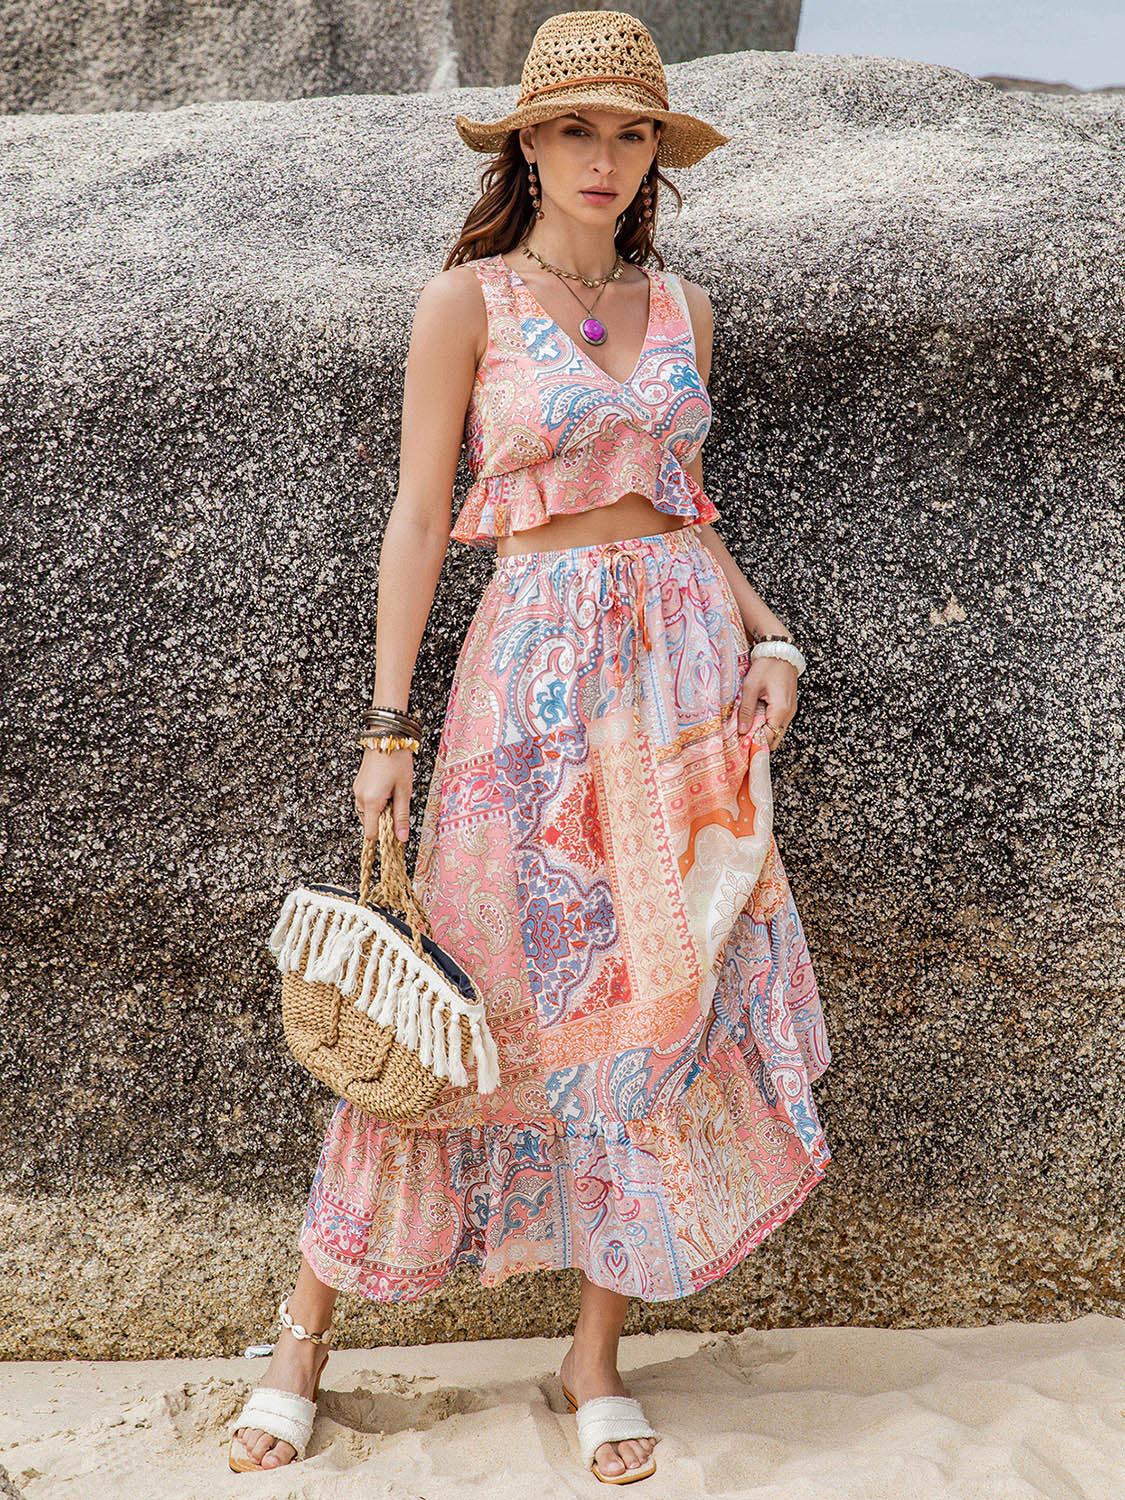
{"type": "Point", "coordinates": [597, 846]}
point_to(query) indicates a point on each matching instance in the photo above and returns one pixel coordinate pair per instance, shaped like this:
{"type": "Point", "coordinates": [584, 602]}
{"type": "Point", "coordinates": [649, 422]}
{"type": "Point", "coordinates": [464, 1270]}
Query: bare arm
{"type": "Point", "coordinates": [446, 344]}
{"type": "Point", "coordinates": [756, 614]}
{"type": "Point", "coordinates": [757, 617]}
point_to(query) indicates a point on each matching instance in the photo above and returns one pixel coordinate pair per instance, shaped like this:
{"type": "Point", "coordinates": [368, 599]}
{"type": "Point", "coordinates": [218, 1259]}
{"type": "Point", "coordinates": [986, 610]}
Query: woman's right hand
{"type": "Point", "coordinates": [384, 776]}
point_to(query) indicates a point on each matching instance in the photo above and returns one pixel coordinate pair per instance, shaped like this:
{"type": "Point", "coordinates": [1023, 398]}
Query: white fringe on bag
{"type": "Point", "coordinates": [326, 934]}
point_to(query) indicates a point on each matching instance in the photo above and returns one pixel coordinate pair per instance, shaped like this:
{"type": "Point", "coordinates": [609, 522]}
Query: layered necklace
{"type": "Point", "coordinates": [593, 330]}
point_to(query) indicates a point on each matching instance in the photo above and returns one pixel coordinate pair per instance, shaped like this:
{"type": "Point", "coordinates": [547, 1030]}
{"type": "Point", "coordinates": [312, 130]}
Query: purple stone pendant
{"type": "Point", "coordinates": [593, 331]}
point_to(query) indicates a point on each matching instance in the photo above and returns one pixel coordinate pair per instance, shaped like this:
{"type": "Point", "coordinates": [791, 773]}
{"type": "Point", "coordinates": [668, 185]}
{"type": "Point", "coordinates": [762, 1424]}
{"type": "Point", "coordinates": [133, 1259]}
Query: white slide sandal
{"type": "Point", "coordinates": [612, 1419]}
{"type": "Point", "coordinates": [283, 1414]}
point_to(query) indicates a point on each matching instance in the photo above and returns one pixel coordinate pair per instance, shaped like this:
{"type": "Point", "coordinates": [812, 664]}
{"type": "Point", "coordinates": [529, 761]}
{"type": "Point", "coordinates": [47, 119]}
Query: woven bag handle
{"type": "Point", "coordinates": [394, 887]}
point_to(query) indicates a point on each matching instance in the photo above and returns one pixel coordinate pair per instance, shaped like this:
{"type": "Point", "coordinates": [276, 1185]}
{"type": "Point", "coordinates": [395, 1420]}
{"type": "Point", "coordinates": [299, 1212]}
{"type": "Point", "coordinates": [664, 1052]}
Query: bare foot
{"type": "Point", "coordinates": [292, 1367]}
{"type": "Point", "coordinates": [585, 1379]}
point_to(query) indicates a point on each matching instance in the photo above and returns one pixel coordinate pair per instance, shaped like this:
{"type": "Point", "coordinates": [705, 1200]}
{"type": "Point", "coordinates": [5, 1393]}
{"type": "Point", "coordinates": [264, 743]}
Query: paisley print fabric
{"type": "Point", "coordinates": [597, 850]}
{"type": "Point", "coordinates": [548, 432]}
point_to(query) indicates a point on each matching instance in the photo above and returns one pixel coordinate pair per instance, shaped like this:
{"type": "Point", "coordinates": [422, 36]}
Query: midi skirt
{"type": "Point", "coordinates": [597, 851]}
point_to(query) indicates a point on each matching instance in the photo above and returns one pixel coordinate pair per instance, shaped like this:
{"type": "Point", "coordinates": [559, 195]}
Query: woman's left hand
{"type": "Point", "coordinates": [770, 685]}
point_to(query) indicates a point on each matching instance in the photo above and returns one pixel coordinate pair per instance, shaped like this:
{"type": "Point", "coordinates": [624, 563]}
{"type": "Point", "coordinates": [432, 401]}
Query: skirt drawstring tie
{"type": "Point", "coordinates": [615, 554]}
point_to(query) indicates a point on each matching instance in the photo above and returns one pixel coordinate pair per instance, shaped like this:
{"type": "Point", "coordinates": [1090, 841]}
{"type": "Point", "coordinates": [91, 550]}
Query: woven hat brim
{"type": "Point", "coordinates": [684, 139]}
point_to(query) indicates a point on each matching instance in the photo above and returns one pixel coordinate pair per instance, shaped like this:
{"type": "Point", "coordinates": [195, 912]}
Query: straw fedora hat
{"type": "Point", "coordinates": [604, 59]}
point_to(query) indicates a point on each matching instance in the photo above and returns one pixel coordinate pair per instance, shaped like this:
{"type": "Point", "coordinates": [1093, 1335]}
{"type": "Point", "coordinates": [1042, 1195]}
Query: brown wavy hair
{"type": "Point", "coordinates": [499, 218]}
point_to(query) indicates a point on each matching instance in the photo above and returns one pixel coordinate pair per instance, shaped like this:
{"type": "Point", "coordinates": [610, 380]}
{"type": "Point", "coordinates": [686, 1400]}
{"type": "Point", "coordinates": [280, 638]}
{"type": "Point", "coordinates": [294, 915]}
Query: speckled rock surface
{"type": "Point", "coordinates": [72, 56]}
{"type": "Point", "coordinates": [918, 458]}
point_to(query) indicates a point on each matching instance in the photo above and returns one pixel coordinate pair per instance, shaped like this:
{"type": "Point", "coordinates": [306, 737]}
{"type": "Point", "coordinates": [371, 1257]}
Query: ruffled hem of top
{"type": "Point", "coordinates": [655, 1208]}
{"type": "Point", "coordinates": [501, 504]}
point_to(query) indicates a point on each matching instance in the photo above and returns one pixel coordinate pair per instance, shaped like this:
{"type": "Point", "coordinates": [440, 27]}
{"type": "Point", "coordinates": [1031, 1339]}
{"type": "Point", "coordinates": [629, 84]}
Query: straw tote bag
{"type": "Point", "coordinates": [370, 1004]}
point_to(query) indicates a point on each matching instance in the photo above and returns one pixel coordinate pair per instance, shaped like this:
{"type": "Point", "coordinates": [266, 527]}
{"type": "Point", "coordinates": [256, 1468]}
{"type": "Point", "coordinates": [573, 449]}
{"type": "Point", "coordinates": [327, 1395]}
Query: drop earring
{"type": "Point", "coordinates": [533, 189]}
{"type": "Point", "coordinates": [646, 200]}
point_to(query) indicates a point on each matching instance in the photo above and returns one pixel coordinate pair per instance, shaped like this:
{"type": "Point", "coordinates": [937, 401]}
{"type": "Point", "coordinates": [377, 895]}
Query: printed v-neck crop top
{"type": "Point", "coordinates": [548, 432]}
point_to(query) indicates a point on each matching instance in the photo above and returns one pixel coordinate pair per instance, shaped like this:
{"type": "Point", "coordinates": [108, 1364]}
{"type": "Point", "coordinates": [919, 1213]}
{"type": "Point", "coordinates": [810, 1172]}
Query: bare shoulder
{"type": "Point", "coordinates": [448, 290]}
{"type": "Point", "coordinates": [451, 305]}
{"type": "Point", "coordinates": [450, 327]}
{"type": "Point", "coordinates": [699, 304]}
{"type": "Point", "coordinates": [702, 323]}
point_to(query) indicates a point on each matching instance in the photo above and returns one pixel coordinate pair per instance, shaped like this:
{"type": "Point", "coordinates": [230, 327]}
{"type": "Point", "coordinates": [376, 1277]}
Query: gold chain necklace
{"type": "Point", "coordinates": [592, 329]}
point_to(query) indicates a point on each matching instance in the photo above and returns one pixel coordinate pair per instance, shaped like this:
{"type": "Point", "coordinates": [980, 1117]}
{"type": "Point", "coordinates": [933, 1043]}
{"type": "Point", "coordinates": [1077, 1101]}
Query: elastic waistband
{"type": "Point", "coordinates": [677, 539]}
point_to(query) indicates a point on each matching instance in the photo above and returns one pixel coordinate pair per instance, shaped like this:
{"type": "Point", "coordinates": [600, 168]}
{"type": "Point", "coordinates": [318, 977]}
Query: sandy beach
{"type": "Point", "coordinates": [1006, 1412]}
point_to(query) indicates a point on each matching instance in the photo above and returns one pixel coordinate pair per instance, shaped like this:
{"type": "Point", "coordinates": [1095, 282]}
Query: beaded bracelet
{"type": "Point", "coordinates": [784, 650]}
{"type": "Point", "coordinates": [389, 742]}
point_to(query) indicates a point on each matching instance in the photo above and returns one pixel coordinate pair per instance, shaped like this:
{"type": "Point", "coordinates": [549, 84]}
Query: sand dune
{"type": "Point", "coordinates": [1007, 1412]}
